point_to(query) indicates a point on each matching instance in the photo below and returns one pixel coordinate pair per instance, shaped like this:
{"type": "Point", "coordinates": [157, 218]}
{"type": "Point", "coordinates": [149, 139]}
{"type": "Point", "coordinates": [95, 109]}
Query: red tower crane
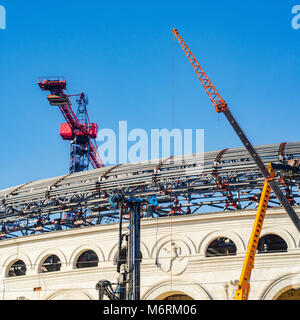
{"type": "Point", "coordinates": [77, 128]}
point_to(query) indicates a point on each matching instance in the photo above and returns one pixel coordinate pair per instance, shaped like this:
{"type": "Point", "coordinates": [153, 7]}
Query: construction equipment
{"type": "Point", "coordinates": [78, 128]}
{"type": "Point", "coordinates": [243, 289]}
{"type": "Point", "coordinates": [128, 264]}
{"type": "Point", "coordinates": [221, 106]}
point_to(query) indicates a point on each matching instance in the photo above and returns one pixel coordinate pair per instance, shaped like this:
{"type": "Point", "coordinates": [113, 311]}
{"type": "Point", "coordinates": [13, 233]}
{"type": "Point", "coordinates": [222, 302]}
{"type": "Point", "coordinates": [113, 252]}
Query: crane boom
{"type": "Point", "coordinates": [210, 89]}
{"type": "Point", "coordinates": [221, 106]}
{"type": "Point", "coordinates": [78, 128]}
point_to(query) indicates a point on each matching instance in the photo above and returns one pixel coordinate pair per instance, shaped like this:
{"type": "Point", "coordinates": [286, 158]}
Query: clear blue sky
{"type": "Point", "coordinates": [123, 56]}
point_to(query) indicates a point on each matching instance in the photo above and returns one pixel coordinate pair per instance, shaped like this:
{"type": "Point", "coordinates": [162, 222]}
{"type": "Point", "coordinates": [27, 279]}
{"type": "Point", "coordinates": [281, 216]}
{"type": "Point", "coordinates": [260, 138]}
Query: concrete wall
{"type": "Point", "coordinates": [174, 260]}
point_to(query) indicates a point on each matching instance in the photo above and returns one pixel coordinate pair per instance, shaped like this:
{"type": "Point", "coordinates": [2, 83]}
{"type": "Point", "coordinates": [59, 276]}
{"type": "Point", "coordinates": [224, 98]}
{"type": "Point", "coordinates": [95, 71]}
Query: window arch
{"type": "Point", "coordinates": [87, 259]}
{"type": "Point", "coordinates": [291, 294]}
{"type": "Point", "coordinates": [177, 296]}
{"type": "Point", "coordinates": [221, 247]}
{"type": "Point", "coordinates": [18, 268]}
{"type": "Point", "coordinates": [123, 256]}
{"type": "Point", "coordinates": [51, 263]}
{"type": "Point", "coordinates": [271, 243]}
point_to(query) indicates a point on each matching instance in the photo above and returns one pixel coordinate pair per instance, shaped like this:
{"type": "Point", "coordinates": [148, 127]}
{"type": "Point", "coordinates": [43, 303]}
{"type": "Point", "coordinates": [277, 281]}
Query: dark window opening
{"type": "Point", "coordinates": [87, 259]}
{"type": "Point", "coordinates": [221, 247]}
{"type": "Point", "coordinates": [17, 269]}
{"type": "Point", "coordinates": [271, 243]}
{"type": "Point", "coordinates": [178, 297]}
{"type": "Point", "coordinates": [52, 263]}
{"type": "Point", "coordinates": [123, 257]}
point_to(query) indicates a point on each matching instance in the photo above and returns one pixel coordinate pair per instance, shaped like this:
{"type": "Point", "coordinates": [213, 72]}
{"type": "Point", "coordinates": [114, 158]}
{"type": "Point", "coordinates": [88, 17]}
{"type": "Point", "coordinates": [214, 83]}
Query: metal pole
{"type": "Point", "coordinates": [136, 252]}
{"type": "Point", "coordinates": [120, 238]}
{"type": "Point", "coordinates": [122, 275]}
{"type": "Point", "coordinates": [277, 191]}
{"type": "Point", "coordinates": [133, 252]}
{"type": "Point", "coordinates": [129, 257]}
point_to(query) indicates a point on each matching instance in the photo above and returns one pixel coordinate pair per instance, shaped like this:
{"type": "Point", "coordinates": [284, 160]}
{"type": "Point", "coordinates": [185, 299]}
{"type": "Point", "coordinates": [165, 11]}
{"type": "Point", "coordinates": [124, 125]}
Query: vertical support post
{"type": "Point", "coordinates": [133, 252]}
{"type": "Point", "coordinates": [129, 258]}
{"type": "Point", "coordinates": [122, 276]}
{"type": "Point", "coordinates": [120, 237]}
{"type": "Point", "coordinates": [136, 252]}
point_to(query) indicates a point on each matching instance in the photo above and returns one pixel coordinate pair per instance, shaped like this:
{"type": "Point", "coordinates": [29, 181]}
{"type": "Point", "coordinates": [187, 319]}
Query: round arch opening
{"type": "Point", "coordinates": [174, 295]}
{"type": "Point", "coordinates": [123, 257]}
{"type": "Point", "coordinates": [290, 294]}
{"type": "Point", "coordinates": [271, 243]}
{"type": "Point", "coordinates": [221, 246]}
{"type": "Point", "coordinates": [87, 259]}
{"type": "Point", "coordinates": [51, 264]}
{"type": "Point", "coordinates": [18, 268]}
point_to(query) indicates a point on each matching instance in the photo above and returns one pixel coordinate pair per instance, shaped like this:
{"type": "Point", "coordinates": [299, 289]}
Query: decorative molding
{"type": "Point", "coordinates": [173, 257]}
{"type": "Point", "coordinates": [176, 236]}
{"type": "Point", "coordinates": [229, 289]}
{"type": "Point", "coordinates": [280, 285]}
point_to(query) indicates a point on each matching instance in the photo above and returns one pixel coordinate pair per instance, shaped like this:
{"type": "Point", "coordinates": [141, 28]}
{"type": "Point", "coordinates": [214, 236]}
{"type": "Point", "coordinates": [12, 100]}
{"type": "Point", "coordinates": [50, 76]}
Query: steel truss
{"type": "Point", "coordinates": [220, 180]}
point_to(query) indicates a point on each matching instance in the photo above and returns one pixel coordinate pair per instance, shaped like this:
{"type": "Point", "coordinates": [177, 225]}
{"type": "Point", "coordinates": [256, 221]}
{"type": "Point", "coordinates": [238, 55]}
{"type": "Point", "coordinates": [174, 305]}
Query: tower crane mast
{"type": "Point", "coordinates": [77, 128]}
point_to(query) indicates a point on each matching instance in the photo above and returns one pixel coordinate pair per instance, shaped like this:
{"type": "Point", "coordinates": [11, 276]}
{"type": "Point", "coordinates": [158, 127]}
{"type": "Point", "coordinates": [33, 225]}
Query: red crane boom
{"type": "Point", "coordinates": [80, 131]}
{"type": "Point", "coordinates": [221, 106]}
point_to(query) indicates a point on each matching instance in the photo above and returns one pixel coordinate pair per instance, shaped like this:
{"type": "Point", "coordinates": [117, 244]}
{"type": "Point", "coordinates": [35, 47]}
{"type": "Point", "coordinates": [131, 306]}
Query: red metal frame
{"type": "Point", "coordinates": [214, 96]}
{"type": "Point", "coordinates": [57, 85]}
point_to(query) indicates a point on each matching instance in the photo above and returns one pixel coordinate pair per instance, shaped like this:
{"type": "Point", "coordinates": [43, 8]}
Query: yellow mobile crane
{"type": "Point", "coordinates": [269, 173]}
{"type": "Point", "coordinates": [243, 289]}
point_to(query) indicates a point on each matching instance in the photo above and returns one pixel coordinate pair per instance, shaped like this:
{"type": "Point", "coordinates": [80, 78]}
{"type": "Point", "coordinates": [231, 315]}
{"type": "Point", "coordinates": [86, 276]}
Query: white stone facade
{"type": "Point", "coordinates": [174, 261]}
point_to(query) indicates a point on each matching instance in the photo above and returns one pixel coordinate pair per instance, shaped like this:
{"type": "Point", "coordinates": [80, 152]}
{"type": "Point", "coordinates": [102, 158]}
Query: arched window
{"type": "Point", "coordinates": [178, 296]}
{"type": "Point", "coordinates": [17, 269]}
{"type": "Point", "coordinates": [271, 243]}
{"type": "Point", "coordinates": [87, 259]}
{"type": "Point", "coordinates": [52, 263]}
{"type": "Point", "coordinates": [123, 256]}
{"type": "Point", "coordinates": [291, 294]}
{"type": "Point", "coordinates": [221, 247]}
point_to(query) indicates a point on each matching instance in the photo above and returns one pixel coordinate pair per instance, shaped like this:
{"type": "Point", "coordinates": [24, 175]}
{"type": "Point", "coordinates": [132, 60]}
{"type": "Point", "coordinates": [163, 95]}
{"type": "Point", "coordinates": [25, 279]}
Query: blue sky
{"type": "Point", "coordinates": [124, 57]}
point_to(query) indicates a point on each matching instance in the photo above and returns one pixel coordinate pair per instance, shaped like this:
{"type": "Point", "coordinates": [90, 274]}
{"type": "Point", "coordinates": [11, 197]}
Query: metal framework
{"type": "Point", "coordinates": [218, 180]}
{"type": "Point", "coordinates": [128, 262]}
{"type": "Point", "coordinates": [78, 128]}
